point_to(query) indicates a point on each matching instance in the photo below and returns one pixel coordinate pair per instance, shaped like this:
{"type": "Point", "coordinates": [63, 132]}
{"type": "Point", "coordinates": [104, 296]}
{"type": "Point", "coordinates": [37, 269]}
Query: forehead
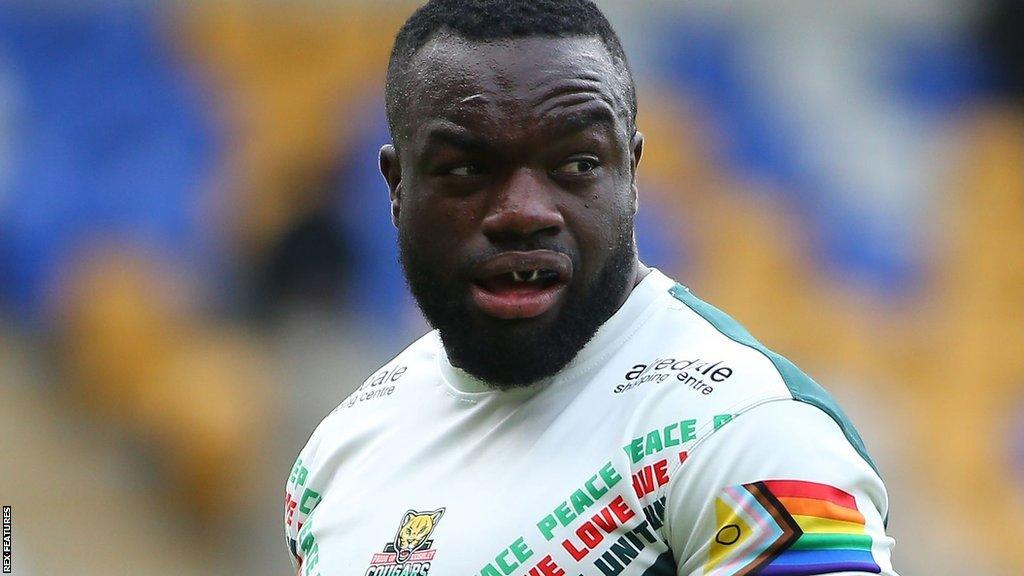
{"type": "Point", "coordinates": [501, 84]}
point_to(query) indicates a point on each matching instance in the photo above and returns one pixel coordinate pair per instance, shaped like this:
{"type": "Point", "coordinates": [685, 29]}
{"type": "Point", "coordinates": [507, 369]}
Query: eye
{"type": "Point", "coordinates": [578, 166]}
{"type": "Point", "coordinates": [465, 170]}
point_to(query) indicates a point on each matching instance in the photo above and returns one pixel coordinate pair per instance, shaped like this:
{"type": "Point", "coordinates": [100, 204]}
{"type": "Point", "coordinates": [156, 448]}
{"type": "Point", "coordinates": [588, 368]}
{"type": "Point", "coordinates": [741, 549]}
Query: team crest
{"type": "Point", "coordinates": [411, 551]}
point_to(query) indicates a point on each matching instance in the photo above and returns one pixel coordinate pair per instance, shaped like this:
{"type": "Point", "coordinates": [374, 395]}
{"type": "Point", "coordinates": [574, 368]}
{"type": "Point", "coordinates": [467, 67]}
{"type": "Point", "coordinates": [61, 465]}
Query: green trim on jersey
{"type": "Point", "coordinates": [800, 385]}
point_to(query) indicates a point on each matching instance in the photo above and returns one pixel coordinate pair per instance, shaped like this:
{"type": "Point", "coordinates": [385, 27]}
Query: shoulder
{"type": "Point", "coordinates": [416, 363]}
{"type": "Point", "coordinates": [782, 378]}
{"type": "Point", "coordinates": [384, 390]}
{"type": "Point", "coordinates": [701, 354]}
{"type": "Point", "coordinates": [766, 431]}
{"type": "Point", "coordinates": [686, 364]}
{"type": "Point", "coordinates": [708, 365]}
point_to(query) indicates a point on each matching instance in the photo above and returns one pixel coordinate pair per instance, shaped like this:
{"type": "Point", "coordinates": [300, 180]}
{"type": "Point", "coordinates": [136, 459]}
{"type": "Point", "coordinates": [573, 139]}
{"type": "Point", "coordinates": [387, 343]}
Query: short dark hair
{"type": "Point", "coordinates": [480, 20]}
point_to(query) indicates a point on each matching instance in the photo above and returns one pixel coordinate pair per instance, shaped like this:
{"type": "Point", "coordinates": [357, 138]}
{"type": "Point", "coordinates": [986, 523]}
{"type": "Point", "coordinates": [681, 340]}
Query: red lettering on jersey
{"type": "Point", "coordinates": [650, 477]}
{"type": "Point", "coordinates": [592, 532]}
{"type": "Point", "coordinates": [546, 567]}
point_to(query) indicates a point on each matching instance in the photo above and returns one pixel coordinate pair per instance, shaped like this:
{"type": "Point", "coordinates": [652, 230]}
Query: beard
{"type": "Point", "coordinates": [514, 353]}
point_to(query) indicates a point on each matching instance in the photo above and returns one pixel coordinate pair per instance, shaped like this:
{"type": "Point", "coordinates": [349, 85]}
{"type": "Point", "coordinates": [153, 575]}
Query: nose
{"type": "Point", "coordinates": [522, 209]}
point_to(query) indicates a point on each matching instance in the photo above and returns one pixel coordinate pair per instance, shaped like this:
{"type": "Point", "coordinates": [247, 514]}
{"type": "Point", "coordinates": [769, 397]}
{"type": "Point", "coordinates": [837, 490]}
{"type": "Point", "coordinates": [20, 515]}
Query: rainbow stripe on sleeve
{"type": "Point", "coordinates": [788, 528]}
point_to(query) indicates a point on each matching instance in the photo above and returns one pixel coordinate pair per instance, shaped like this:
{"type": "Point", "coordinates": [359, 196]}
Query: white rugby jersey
{"type": "Point", "coordinates": [673, 444]}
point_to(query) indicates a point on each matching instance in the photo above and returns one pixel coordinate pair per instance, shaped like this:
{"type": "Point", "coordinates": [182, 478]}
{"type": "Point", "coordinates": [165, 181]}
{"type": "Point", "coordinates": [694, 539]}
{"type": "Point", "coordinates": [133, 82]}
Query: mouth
{"type": "Point", "coordinates": [518, 285]}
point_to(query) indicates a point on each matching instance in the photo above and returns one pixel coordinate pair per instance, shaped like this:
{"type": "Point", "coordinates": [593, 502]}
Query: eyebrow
{"type": "Point", "coordinates": [580, 120]}
{"type": "Point", "coordinates": [456, 137]}
{"type": "Point", "coordinates": [562, 125]}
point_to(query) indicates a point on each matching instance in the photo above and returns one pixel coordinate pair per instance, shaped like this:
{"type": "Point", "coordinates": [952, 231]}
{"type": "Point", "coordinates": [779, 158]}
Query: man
{"type": "Point", "coordinates": [574, 412]}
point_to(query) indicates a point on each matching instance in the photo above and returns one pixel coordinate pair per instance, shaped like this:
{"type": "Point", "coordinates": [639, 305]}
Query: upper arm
{"type": "Point", "coordinates": [779, 490]}
{"type": "Point", "coordinates": [293, 517]}
{"type": "Point", "coordinates": [301, 497]}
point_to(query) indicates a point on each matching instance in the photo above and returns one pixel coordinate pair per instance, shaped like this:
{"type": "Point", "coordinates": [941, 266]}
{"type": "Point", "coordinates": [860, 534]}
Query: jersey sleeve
{"type": "Point", "coordinates": [778, 491]}
{"type": "Point", "coordinates": [301, 498]}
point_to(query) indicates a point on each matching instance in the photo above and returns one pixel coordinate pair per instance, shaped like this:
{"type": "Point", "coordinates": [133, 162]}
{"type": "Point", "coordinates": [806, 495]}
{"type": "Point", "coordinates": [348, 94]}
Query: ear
{"type": "Point", "coordinates": [636, 152]}
{"type": "Point", "coordinates": [408, 516]}
{"type": "Point", "coordinates": [436, 515]}
{"type": "Point", "coordinates": [391, 169]}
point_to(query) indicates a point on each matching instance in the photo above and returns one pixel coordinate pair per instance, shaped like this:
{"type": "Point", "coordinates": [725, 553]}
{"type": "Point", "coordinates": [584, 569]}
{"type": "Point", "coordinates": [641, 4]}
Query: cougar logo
{"type": "Point", "coordinates": [411, 552]}
{"type": "Point", "coordinates": [415, 529]}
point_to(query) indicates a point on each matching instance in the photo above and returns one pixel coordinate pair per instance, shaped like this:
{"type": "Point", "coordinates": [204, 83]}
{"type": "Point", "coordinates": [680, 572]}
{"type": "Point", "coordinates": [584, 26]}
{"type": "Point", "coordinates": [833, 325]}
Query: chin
{"type": "Point", "coordinates": [509, 353]}
{"type": "Point", "coordinates": [515, 353]}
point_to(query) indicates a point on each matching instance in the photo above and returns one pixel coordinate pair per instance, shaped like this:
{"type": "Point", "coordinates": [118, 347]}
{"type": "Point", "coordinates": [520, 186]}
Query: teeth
{"type": "Point", "coordinates": [525, 275]}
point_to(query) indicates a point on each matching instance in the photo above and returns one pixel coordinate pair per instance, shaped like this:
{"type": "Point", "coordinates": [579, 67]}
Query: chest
{"type": "Point", "coordinates": [487, 500]}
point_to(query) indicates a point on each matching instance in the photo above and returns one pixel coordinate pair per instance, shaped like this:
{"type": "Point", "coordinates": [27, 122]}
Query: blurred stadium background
{"type": "Point", "coordinates": [196, 261]}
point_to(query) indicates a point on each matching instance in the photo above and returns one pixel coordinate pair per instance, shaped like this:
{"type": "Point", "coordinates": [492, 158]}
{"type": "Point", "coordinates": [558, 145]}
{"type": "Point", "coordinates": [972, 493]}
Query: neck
{"type": "Point", "coordinates": [639, 272]}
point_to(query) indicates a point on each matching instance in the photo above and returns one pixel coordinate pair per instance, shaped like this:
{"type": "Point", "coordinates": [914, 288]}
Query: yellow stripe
{"type": "Point", "coordinates": [815, 525]}
{"type": "Point", "coordinates": [719, 553]}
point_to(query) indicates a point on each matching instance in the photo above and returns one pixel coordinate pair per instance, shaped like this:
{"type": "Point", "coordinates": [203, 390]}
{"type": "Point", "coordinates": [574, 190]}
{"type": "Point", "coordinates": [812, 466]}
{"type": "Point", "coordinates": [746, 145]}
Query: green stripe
{"type": "Point", "coordinates": [800, 385]}
{"type": "Point", "coordinates": [833, 542]}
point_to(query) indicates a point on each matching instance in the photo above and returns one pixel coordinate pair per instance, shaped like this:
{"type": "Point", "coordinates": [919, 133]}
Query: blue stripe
{"type": "Point", "coordinates": [816, 557]}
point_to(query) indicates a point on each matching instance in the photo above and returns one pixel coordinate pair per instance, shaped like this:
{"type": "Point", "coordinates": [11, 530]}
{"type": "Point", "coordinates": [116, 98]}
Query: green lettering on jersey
{"type": "Point", "coordinates": [609, 474]}
{"type": "Point", "coordinates": [653, 443]}
{"type": "Point", "coordinates": [580, 501]}
{"type": "Point", "coordinates": [308, 501]}
{"type": "Point", "coordinates": [490, 570]}
{"type": "Point", "coordinates": [635, 449]}
{"type": "Point", "coordinates": [688, 430]}
{"type": "Point", "coordinates": [299, 473]}
{"type": "Point", "coordinates": [520, 549]}
{"type": "Point", "coordinates": [670, 440]}
{"type": "Point", "coordinates": [721, 419]}
{"type": "Point", "coordinates": [564, 515]}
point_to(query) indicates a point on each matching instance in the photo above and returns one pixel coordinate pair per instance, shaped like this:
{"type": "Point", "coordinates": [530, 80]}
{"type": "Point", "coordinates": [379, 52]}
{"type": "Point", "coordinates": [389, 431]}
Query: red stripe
{"type": "Point", "coordinates": [802, 489]}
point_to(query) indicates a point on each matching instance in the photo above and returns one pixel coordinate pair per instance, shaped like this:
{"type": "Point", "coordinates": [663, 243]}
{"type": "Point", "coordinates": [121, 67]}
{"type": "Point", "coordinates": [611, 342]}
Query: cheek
{"type": "Point", "coordinates": [598, 229]}
{"type": "Point", "coordinates": [439, 220]}
{"type": "Point", "coordinates": [598, 219]}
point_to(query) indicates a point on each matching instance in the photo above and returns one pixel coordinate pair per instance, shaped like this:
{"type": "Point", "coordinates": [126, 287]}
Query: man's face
{"type": "Point", "coordinates": [513, 192]}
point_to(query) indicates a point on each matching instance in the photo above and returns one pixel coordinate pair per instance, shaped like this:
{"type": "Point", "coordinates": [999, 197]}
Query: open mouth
{"type": "Point", "coordinates": [521, 284]}
{"type": "Point", "coordinates": [523, 280]}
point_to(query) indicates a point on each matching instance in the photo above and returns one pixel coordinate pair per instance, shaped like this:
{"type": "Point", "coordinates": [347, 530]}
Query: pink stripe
{"type": "Point", "coordinates": [743, 499]}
